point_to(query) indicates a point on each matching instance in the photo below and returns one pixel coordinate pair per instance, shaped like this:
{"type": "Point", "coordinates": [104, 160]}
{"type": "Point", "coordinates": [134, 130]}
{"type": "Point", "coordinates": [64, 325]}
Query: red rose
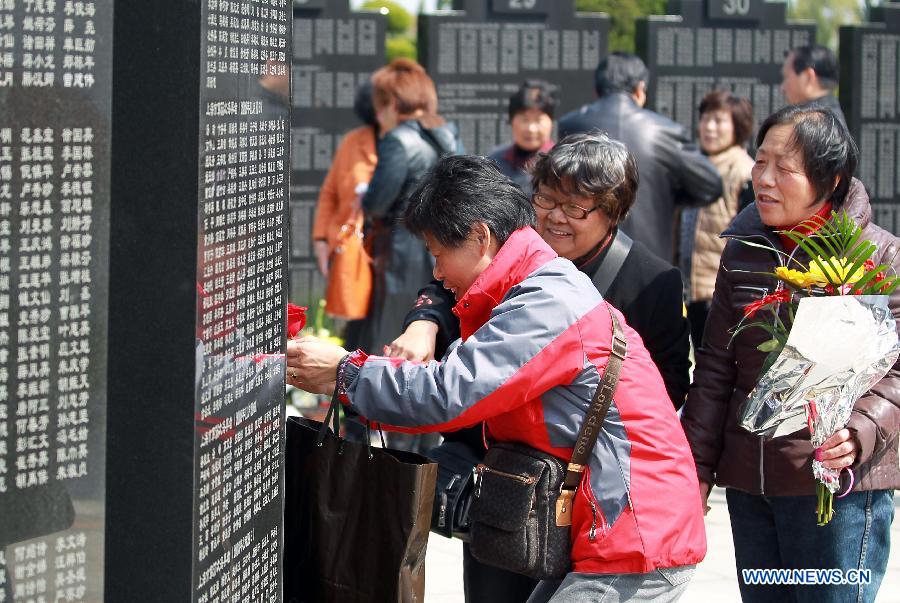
{"type": "Point", "coordinates": [296, 319]}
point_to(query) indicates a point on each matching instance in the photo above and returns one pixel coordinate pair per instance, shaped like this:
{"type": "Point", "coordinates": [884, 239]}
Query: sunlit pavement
{"type": "Point", "coordinates": [715, 579]}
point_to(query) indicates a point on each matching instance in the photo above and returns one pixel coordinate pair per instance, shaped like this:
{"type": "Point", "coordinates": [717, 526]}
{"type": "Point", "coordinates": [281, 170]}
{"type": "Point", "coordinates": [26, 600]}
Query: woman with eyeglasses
{"type": "Point", "coordinates": [583, 188]}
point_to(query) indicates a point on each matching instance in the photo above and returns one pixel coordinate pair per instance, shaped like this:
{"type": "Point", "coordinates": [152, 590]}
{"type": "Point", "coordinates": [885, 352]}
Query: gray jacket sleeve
{"type": "Point", "coordinates": [491, 373]}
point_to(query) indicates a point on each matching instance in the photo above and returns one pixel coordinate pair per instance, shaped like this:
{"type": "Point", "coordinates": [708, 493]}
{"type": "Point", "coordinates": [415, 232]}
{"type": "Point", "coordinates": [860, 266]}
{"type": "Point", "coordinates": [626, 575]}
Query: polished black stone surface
{"type": "Point", "coordinates": [198, 275]}
{"type": "Point", "coordinates": [702, 45]}
{"type": "Point", "coordinates": [870, 98]}
{"type": "Point", "coordinates": [55, 92]}
{"type": "Point", "coordinates": [479, 55]}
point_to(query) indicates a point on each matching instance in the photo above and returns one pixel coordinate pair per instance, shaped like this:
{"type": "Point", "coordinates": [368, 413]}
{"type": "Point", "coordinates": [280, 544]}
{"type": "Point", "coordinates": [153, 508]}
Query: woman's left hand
{"type": "Point", "coordinates": [838, 451]}
{"type": "Point", "coordinates": [312, 361]}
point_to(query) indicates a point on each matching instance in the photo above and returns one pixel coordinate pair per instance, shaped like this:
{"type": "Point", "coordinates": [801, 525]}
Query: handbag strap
{"type": "Point", "coordinates": [612, 263]}
{"type": "Point", "coordinates": [333, 417]}
{"type": "Point", "coordinates": [596, 414]}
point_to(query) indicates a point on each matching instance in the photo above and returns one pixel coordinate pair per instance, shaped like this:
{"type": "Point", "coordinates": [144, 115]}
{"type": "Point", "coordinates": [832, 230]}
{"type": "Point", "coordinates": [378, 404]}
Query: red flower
{"type": "Point", "coordinates": [868, 265]}
{"type": "Point", "coordinates": [780, 296]}
{"type": "Point", "coordinates": [296, 319]}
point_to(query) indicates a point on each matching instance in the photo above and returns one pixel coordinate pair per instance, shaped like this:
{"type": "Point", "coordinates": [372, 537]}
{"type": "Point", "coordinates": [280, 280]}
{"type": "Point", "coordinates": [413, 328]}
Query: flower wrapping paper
{"type": "Point", "coordinates": [838, 348]}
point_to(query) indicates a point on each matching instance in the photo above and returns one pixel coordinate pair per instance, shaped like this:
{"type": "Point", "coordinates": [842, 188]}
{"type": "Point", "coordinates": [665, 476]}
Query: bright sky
{"type": "Point", "coordinates": [410, 5]}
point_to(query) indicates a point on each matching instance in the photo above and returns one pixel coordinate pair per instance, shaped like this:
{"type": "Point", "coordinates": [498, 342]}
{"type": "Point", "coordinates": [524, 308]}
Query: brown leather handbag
{"type": "Point", "coordinates": [349, 274]}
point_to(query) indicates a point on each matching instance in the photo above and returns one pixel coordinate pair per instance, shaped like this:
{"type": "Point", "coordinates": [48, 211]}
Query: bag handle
{"type": "Point", "coordinates": [333, 416]}
{"type": "Point", "coordinates": [593, 422]}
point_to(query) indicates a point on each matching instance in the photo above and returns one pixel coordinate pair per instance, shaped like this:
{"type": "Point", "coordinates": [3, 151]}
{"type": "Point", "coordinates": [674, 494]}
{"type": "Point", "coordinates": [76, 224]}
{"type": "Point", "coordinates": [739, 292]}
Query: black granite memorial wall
{"type": "Point", "coordinates": [870, 98]}
{"type": "Point", "coordinates": [736, 45]}
{"type": "Point", "coordinates": [479, 55]}
{"type": "Point", "coordinates": [198, 274]}
{"type": "Point", "coordinates": [334, 51]}
{"type": "Point", "coordinates": [55, 87]}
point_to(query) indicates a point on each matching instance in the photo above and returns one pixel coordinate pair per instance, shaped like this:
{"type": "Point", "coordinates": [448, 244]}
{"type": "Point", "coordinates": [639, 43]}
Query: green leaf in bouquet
{"type": "Point", "coordinates": [770, 360]}
{"type": "Point", "coordinates": [823, 230]}
{"type": "Point", "coordinates": [857, 259]}
{"type": "Point", "coordinates": [867, 283]}
{"type": "Point", "coordinates": [889, 284]}
{"type": "Point", "coordinates": [884, 287]}
{"type": "Point", "coordinates": [860, 253]}
{"type": "Point", "coordinates": [772, 330]}
{"type": "Point", "coordinates": [769, 248]}
{"type": "Point", "coordinates": [770, 345]}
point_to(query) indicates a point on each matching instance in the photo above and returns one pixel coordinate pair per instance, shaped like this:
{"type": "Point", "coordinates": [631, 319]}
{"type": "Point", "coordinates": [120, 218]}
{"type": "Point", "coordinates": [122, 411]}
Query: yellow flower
{"type": "Point", "coordinates": [835, 272]}
{"type": "Point", "coordinates": [795, 277]}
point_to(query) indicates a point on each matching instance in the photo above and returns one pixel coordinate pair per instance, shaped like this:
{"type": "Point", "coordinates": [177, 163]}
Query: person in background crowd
{"type": "Point", "coordinates": [725, 126]}
{"type": "Point", "coordinates": [414, 136]}
{"type": "Point", "coordinates": [536, 335]}
{"type": "Point", "coordinates": [809, 77]}
{"type": "Point", "coordinates": [586, 184]}
{"type": "Point", "coordinates": [803, 170]}
{"type": "Point", "coordinates": [673, 171]}
{"type": "Point", "coordinates": [531, 111]}
{"type": "Point", "coordinates": [338, 207]}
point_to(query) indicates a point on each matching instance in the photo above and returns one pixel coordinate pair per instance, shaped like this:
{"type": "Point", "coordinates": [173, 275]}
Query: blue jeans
{"type": "Point", "coordinates": [664, 585]}
{"type": "Point", "coordinates": [781, 532]}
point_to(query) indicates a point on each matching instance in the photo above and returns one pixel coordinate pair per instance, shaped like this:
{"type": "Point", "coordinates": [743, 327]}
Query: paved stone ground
{"type": "Point", "coordinates": [715, 579]}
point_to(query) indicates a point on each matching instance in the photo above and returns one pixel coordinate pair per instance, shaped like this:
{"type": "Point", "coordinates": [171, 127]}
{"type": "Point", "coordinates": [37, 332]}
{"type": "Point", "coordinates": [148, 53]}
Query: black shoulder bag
{"type": "Point", "coordinates": [522, 503]}
{"type": "Point", "coordinates": [453, 493]}
{"type": "Point", "coordinates": [457, 460]}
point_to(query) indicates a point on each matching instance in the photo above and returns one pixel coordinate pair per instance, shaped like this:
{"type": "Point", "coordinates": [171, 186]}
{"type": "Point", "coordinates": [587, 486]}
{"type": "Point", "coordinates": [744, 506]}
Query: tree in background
{"type": "Point", "coordinates": [622, 14]}
{"type": "Point", "coordinates": [828, 16]}
{"type": "Point", "coordinates": [401, 29]}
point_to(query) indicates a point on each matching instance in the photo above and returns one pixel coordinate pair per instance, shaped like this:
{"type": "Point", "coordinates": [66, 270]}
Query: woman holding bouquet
{"type": "Point", "coordinates": [803, 171]}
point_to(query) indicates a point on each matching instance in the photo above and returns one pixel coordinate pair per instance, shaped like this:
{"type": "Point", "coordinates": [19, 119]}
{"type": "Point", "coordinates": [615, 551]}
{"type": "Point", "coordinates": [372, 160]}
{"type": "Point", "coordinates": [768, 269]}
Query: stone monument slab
{"type": "Point", "coordinates": [55, 127]}
{"type": "Point", "coordinates": [702, 45]}
{"type": "Point", "coordinates": [198, 277]}
{"type": "Point", "coordinates": [479, 54]}
{"type": "Point", "coordinates": [870, 97]}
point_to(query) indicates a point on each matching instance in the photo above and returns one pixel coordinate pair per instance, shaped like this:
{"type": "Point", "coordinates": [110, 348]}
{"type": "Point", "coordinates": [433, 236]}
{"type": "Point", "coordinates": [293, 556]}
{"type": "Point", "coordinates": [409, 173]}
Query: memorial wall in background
{"type": "Point", "coordinates": [334, 51]}
{"type": "Point", "coordinates": [702, 45]}
{"type": "Point", "coordinates": [55, 92]}
{"type": "Point", "coordinates": [870, 98]}
{"type": "Point", "coordinates": [480, 54]}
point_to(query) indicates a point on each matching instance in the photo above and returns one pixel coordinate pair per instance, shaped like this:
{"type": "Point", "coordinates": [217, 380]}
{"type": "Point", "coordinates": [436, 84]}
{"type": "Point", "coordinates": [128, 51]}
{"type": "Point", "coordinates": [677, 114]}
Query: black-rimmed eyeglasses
{"type": "Point", "coordinates": [576, 212]}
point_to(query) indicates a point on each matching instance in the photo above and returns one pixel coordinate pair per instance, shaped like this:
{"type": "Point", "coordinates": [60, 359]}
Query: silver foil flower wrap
{"type": "Point", "coordinates": [838, 348]}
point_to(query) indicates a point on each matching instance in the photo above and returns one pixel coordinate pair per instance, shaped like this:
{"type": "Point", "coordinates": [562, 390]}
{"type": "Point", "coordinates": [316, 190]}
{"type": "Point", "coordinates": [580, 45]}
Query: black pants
{"type": "Point", "coordinates": [488, 583]}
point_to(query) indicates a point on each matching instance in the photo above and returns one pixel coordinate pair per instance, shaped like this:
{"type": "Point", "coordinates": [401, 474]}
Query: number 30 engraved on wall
{"type": "Point", "coordinates": [737, 7]}
{"type": "Point", "coordinates": [526, 4]}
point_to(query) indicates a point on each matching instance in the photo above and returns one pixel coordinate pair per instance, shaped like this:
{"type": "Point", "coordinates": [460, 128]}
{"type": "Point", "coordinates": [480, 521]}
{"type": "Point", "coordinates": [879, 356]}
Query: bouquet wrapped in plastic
{"type": "Point", "coordinates": [833, 337]}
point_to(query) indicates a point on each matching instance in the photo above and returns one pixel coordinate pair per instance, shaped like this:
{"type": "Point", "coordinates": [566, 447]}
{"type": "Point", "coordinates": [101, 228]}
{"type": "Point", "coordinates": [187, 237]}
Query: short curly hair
{"type": "Point", "coordinates": [591, 165]}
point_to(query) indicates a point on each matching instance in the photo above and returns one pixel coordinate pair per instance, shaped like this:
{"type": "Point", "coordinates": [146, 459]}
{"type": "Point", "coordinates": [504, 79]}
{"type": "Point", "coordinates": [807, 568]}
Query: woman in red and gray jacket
{"type": "Point", "coordinates": [536, 338]}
